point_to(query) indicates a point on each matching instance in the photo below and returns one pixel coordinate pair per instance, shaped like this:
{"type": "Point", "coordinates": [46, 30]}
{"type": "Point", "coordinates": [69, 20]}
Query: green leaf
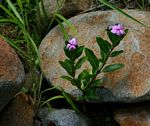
{"type": "Point", "coordinates": [15, 11]}
{"type": "Point", "coordinates": [91, 94]}
{"type": "Point", "coordinates": [65, 66]}
{"type": "Point", "coordinates": [66, 78]}
{"type": "Point", "coordinates": [70, 53]}
{"type": "Point", "coordinates": [113, 67]}
{"type": "Point", "coordinates": [105, 48]}
{"type": "Point", "coordinates": [78, 52]}
{"type": "Point", "coordinates": [83, 79]}
{"type": "Point", "coordinates": [116, 53]}
{"type": "Point", "coordinates": [83, 74]}
{"type": "Point", "coordinates": [115, 39]}
{"type": "Point", "coordinates": [74, 54]}
{"type": "Point", "coordinates": [48, 89]}
{"type": "Point", "coordinates": [69, 79]}
{"type": "Point", "coordinates": [69, 64]}
{"type": "Point", "coordinates": [80, 62]}
{"type": "Point", "coordinates": [69, 100]}
{"type": "Point", "coordinates": [103, 44]}
{"type": "Point", "coordinates": [92, 58]}
{"type": "Point", "coordinates": [103, 56]}
{"type": "Point", "coordinates": [19, 2]}
{"type": "Point", "coordinates": [50, 99]}
{"type": "Point", "coordinates": [7, 11]}
{"type": "Point", "coordinates": [97, 82]}
{"type": "Point", "coordinates": [24, 89]}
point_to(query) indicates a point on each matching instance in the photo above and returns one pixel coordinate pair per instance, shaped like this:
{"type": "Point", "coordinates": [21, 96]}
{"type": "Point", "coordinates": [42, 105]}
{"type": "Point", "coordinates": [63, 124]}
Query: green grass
{"type": "Point", "coordinates": [33, 25]}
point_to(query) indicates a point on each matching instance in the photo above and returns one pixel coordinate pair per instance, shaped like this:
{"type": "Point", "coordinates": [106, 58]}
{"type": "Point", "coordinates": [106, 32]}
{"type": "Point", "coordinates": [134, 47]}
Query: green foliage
{"type": "Point", "coordinates": [87, 80]}
{"type": "Point", "coordinates": [115, 39]}
{"type": "Point", "coordinates": [33, 24]}
{"type": "Point", "coordinates": [19, 16]}
{"type": "Point", "coordinates": [112, 67]}
{"type": "Point", "coordinates": [116, 53]}
{"type": "Point", "coordinates": [92, 58]}
{"type": "Point", "coordinates": [80, 62]}
{"type": "Point", "coordinates": [69, 100]}
{"type": "Point", "coordinates": [67, 67]}
{"type": "Point", "coordinates": [73, 55]}
{"type": "Point", "coordinates": [103, 44]}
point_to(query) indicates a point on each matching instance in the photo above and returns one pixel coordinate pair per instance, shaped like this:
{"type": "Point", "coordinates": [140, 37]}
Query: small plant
{"type": "Point", "coordinates": [87, 80]}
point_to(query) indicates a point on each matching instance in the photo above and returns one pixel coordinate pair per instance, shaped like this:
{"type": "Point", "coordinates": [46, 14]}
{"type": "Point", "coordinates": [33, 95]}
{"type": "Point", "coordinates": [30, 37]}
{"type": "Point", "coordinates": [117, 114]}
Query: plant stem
{"type": "Point", "coordinates": [74, 73]}
{"type": "Point", "coordinates": [98, 71]}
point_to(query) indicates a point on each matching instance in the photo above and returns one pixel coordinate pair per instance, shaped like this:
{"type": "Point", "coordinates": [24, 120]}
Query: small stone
{"type": "Point", "coordinates": [11, 73]}
{"type": "Point", "coordinates": [62, 117]}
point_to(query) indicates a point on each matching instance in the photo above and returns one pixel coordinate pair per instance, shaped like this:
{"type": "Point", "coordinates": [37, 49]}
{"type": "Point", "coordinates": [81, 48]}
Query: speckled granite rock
{"type": "Point", "coordinates": [11, 73]}
{"type": "Point", "coordinates": [62, 117]}
{"type": "Point", "coordinates": [133, 116]}
{"type": "Point", "coordinates": [130, 84]}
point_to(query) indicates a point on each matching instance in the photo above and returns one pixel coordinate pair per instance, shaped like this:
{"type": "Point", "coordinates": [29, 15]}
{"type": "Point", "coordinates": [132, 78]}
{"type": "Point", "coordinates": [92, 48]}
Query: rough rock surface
{"type": "Point", "coordinates": [133, 116]}
{"type": "Point", "coordinates": [11, 73]}
{"type": "Point", "coordinates": [130, 84]}
{"type": "Point", "coordinates": [69, 7]}
{"type": "Point", "coordinates": [18, 113]}
{"type": "Point", "coordinates": [62, 117]}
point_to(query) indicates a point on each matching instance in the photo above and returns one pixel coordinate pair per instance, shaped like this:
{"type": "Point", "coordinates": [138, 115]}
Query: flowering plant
{"type": "Point", "coordinates": [86, 81]}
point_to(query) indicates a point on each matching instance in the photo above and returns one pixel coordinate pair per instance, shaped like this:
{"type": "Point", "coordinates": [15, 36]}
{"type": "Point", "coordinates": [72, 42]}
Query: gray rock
{"type": "Point", "coordinates": [130, 84]}
{"type": "Point", "coordinates": [69, 7]}
{"type": "Point", "coordinates": [62, 117]}
{"type": "Point", "coordinates": [11, 73]}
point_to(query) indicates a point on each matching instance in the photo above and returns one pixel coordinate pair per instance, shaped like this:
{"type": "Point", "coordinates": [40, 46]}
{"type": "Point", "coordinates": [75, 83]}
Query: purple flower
{"type": "Point", "coordinates": [118, 29]}
{"type": "Point", "coordinates": [72, 44]}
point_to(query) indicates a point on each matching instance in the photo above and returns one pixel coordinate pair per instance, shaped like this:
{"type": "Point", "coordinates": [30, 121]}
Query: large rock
{"type": "Point", "coordinates": [69, 7]}
{"type": "Point", "coordinates": [133, 116]}
{"type": "Point", "coordinates": [11, 73]}
{"type": "Point", "coordinates": [130, 84]}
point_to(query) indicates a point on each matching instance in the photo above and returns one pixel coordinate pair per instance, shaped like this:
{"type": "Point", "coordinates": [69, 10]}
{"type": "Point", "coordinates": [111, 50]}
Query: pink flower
{"type": "Point", "coordinates": [118, 29]}
{"type": "Point", "coordinates": [72, 44]}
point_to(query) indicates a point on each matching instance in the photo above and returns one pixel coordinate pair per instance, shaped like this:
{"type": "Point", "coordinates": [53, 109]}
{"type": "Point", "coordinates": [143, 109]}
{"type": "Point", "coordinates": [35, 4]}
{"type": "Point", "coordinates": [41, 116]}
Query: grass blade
{"type": "Point", "coordinates": [69, 100]}
{"type": "Point", "coordinates": [7, 20]}
{"type": "Point", "coordinates": [68, 23]}
{"type": "Point", "coordinates": [53, 98]}
{"type": "Point", "coordinates": [19, 2]}
{"type": "Point", "coordinates": [44, 11]}
{"type": "Point", "coordinates": [121, 12]}
{"type": "Point", "coordinates": [15, 11]}
{"type": "Point", "coordinates": [7, 11]}
{"type": "Point", "coordinates": [63, 30]}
